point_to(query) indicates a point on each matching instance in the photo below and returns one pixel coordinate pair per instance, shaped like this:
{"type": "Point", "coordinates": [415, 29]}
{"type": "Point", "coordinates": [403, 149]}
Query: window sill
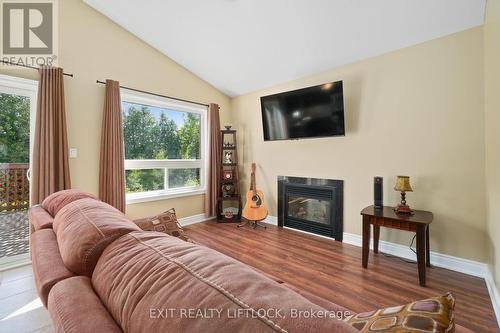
{"type": "Point", "coordinates": [145, 197]}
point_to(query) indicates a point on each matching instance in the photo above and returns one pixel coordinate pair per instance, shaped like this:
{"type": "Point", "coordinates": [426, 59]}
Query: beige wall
{"type": "Point", "coordinates": [492, 124]}
{"type": "Point", "coordinates": [92, 47]}
{"type": "Point", "coordinates": [417, 112]}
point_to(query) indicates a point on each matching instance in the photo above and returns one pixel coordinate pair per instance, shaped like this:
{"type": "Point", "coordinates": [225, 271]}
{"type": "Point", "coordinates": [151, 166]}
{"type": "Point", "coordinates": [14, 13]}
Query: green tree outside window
{"type": "Point", "coordinates": [149, 135]}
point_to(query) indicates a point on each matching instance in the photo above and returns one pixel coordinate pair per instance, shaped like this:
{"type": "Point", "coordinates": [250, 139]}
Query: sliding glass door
{"type": "Point", "coordinates": [17, 109]}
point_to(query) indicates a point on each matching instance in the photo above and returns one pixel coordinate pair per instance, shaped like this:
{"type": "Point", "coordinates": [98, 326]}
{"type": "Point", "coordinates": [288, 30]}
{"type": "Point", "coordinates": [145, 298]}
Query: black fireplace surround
{"type": "Point", "coordinates": [312, 205]}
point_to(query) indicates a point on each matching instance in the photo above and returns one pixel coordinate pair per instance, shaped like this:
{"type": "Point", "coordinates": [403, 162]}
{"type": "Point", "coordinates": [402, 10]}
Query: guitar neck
{"type": "Point", "coordinates": [252, 185]}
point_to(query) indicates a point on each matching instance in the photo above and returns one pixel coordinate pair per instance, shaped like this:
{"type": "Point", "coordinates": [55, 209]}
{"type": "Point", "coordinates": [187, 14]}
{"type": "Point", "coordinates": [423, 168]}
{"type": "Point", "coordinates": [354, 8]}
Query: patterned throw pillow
{"type": "Point", "coordinates": [165, 222]}
{"type": "Point", "coordinates": [430, 315]}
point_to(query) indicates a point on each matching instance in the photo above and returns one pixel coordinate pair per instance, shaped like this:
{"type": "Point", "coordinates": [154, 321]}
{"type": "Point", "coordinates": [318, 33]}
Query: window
{"type": "Point", "coordinates": [165, 147]}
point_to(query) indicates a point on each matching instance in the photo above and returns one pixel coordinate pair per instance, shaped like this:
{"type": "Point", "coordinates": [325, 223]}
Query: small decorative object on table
{"type": "Point", "coordinates": [403, 186]}
{"type": "Point", "coordinates": [165, 222]}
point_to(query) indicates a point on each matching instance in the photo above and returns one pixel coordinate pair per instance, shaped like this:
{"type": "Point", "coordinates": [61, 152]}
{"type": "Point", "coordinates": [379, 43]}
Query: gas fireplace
{"type": "Point", "coordinates": [312, 205]}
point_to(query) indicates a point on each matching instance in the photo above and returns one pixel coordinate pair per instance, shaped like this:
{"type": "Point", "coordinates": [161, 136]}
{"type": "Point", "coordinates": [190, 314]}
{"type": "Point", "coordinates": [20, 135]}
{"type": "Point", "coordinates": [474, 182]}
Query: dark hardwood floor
{"type": "Point", "coordinates": [333, 271]}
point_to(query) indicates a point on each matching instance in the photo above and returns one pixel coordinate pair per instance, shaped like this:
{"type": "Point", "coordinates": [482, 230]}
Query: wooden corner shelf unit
{"type": "Point", "coordinates": [229, 205]}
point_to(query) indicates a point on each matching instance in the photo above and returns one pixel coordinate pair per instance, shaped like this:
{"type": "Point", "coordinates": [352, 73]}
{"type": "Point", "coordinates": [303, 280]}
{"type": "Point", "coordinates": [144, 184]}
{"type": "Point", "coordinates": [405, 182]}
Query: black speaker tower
{"type": "Point", "coordinates": [378, 192]}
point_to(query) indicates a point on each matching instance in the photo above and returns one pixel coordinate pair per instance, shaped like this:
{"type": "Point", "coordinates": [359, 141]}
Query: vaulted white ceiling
{"type": "Point", "coordinates": [244, 45]}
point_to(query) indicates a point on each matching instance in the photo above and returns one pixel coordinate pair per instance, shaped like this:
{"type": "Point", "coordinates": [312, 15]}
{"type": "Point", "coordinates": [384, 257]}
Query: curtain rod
{"type": "Point", "coordinates": [158, 95]}
{"type": "Point", "coordinates": [27, 66]}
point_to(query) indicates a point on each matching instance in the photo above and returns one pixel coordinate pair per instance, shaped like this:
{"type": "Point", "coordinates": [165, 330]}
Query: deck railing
{"type": "Point", "coordinates": [14, 187]}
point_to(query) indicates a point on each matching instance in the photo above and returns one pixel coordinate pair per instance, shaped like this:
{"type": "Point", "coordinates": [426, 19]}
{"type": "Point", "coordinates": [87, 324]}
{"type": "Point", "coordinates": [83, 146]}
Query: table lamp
{"type": "Point", "coordinates": [403, 186]}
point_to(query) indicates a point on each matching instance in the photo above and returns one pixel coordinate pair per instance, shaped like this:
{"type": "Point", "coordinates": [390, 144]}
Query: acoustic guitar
{"type": "Point", "coordinates": [254, 209]}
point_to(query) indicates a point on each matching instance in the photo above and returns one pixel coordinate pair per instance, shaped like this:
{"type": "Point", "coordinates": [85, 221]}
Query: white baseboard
{"type": "Point", "coordinates": [494, 295]}
{"type": "Point", "coordinates": [466, 266]}
{"type": "Point", "coordinates": [188, 220]}
{"type": "Point", "coordinates": [271, 220]}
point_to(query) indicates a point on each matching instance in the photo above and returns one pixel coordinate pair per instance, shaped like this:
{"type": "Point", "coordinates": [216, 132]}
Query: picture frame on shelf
{"type": "Point", "coordinates": [228, 157]}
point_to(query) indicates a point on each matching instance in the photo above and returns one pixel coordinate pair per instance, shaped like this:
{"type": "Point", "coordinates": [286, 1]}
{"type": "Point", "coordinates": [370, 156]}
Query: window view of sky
{"type": "Point", "coordinates": [176, 116]}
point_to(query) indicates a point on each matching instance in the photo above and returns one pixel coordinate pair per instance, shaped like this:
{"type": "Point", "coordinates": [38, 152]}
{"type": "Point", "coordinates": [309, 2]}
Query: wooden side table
{"type": "Point", "coordinates": [386, 217]}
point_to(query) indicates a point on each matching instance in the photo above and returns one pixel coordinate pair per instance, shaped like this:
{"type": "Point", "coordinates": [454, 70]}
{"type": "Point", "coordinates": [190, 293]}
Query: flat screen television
{"type": "Point", "coordinates": [304, 113]}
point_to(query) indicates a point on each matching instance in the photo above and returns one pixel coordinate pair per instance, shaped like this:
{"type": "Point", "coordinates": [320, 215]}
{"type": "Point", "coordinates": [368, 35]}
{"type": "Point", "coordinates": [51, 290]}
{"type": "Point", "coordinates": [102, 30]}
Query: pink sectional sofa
{"type": "Point", "coordinates": [97, 271]}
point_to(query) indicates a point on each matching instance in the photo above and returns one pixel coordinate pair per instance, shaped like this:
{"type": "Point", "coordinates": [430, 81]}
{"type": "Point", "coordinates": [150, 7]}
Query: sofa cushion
{"type": "Point", "coordinates": [54, 202]}
{"type": "Point", "coordinates": [143, 275]}
{"type": "Point", "coordinates": [75, 308]}
{"type": "Point", "coordinates": [84, 228]}
{"type": "Point", "coordinates": [434, 315]}
{"type": "Point", "coordinates": [40, 218]}
{"type": "Point", "coordinates": [165, 222]}
{"type": "Point", "coordinates": [48, 266]}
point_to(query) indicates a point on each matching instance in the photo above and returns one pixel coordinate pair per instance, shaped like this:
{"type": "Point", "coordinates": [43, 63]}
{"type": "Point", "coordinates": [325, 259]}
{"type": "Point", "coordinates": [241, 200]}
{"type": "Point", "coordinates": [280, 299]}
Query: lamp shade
{"type": "Point", "coordinates": [403, 184]}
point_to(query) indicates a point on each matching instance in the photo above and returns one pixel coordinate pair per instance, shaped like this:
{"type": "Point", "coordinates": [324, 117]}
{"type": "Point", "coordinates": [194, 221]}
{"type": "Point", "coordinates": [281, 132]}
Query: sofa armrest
{"type": "Point", "coordinates": [39, 218]}
{"type": "Point", "coordinates": [74, 307]}
{"type": "Point", "coordinates": [48, 267]}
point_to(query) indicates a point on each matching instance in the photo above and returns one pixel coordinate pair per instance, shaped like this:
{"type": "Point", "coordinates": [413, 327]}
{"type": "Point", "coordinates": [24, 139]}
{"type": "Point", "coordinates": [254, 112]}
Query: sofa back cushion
{"type": "Point", "coordinates": [56, 201]}
{"type": "Point", "coordinates": [146, 280]}
{"type": "Point", "coordinates": [84, 228]}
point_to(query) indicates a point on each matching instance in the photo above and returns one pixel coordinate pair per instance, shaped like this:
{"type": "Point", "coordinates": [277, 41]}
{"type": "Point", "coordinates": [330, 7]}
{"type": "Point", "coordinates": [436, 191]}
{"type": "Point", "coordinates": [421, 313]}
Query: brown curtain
{"type": "Point", "coordinates": [111, 166]}
{"type": "Point", "coordinates": [50, 148]}
{"type": "Point", "coordinates": [214, 160]}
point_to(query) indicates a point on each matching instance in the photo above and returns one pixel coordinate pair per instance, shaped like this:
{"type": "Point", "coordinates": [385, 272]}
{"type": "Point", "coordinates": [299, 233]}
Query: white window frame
{"type": "Point", "coordinates": [168, 103]}
{"type": "Point", "coordinates": [13, 85]}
